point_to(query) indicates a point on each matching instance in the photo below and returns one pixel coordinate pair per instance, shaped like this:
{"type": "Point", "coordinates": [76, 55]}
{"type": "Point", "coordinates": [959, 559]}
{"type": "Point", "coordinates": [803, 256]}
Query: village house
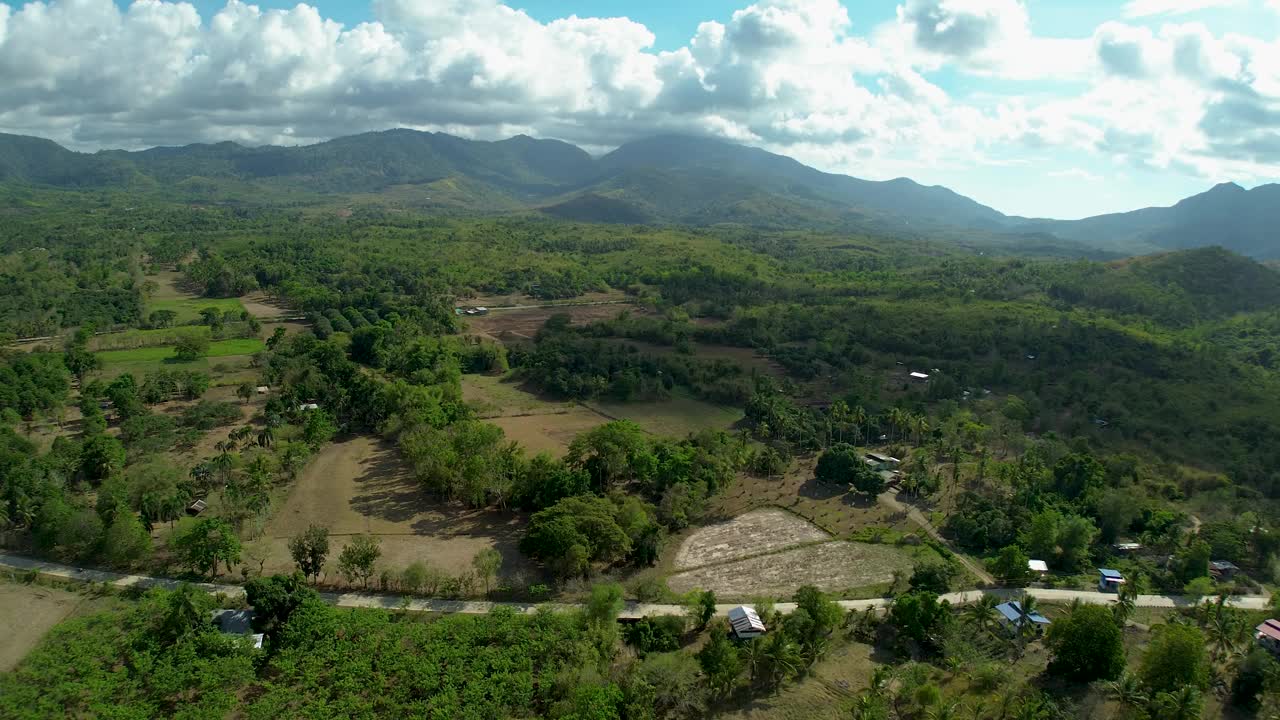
{"type": "Point", "coordinates": [745, 623]}
{"type": "Point", "coordinates": [1039, 568]}
{"type": "Point", "coordinates": [1267, 635]}
{"type": "Point", "coordinates": [1012, 617]}
{"type": "Point", "coordinates": [1223, 569]}
{"type": "Point", "coordinates": [880, 461]}
{"type": "Point", "coordinates": [1109, 580]}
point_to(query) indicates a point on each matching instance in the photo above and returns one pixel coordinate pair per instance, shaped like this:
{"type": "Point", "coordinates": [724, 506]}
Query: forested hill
{"type": "Point", "coordinates": [660, 180]}
{"type": "Point", "coordinates": [1228, 215]}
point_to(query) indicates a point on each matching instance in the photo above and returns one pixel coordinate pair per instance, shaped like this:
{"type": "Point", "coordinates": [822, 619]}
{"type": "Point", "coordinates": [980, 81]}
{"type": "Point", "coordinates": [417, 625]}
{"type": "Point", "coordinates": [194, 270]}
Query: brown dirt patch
{"type": "Point", "coordinates": [834, 566]}
{"type": "Point", "coordinates": [261, 305]}
{"type": "Point", "coordinates": [27, 612]}
{"type": "Point", "coordinates": [524, 323]}
{"type": "Point", "coordinates": [757, 532]}
{"type": "Point", "coordinates": [361, 485]}
{"type": "Point", "coordinates": [549, 432]}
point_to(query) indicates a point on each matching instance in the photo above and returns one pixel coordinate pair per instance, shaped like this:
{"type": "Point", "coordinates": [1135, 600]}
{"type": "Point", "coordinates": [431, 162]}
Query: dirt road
{"type": "Point", "coordinates": [890, 499]}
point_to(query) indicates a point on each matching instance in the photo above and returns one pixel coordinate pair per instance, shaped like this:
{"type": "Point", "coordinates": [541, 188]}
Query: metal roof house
{"type": "Point", "coordinates": [746, 623]}
{"type": "Point", "coordinates": [1038, 566]}
{"type": "Point", "coordinates": [237, 622]}
{"type": "Point", "coordinates": [1109, 580]}
{"type": "Point", "coordinates": [880, 461]}
{"type": "Point", "coordinates": [1223, 569]}
{"type": "Point", "coordinates": [1268, 635]}
{"type": "Point", "coordinates": [1012, 616]}
{"type": "Point", "coordinates": [918, 376]}
{"type": "Point", "coordinates": [197, 507]}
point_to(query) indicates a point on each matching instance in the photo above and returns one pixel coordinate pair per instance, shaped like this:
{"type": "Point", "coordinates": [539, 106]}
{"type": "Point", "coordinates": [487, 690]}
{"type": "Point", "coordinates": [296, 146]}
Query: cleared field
{"type": "Point", "coordinates": [526, 322]}
{"type": "Point", "coordinates": [496, 396]}
{"type": "Point", "coordinates": [27, 612]}
{"type": "Point", "coordinates": [549, 432]}
{"type": "Point", "coordinates": [675, 417]}
{"type": "Point", "coordinates": [261, 305]}
{"type": "Point", "coordinates": [833, 566]}
{"type": "Point", "coordinates": [230, 370]}
{"type": "Point", "coordinates": [132, 339]}
{"type": "Point", "coordinates": [221, 348]}
{"type": "Point", "coordinates": [170, 296]}
{"type": "Point", "coordinates": [361, 485]}
{"type": "Point", "coordinates": [755, 533]}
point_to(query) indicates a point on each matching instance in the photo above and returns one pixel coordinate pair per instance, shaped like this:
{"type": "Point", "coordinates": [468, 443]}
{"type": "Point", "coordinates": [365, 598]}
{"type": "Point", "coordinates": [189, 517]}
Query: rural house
{"type": "Point", "coordinates": [1267, 635]}
{"type": "Point", "coordinates": [879, 461]}
{"type": "Point", "coordinates": [237, 622]}
{"type": "Point", "coordinates": [1223, 569]}
{"type": "Point", "coordinates": [1038, 567]}
{"type": "Point", "coordinates": [745, 623]}
{"type": "Point", "coordinates": [1109, 580]}
{"type": "Point", "coordinates": [1012, 617]}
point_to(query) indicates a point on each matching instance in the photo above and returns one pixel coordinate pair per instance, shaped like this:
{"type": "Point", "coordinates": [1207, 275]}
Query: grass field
{"type": "Point", "coordinates": [27, 612]}
{"type": "Point", "coordinates": [188, 309]}
{"type": "Point", "coordinates": [227, 370]}
{"type": "Point", "coordinates": [221, 348]}
{"type": "Point", "coordinates": [494, 396]}
{"type": "Point", "coordinates": [134, 339]}
{"type": "Point", "coordinates": [675, 417]}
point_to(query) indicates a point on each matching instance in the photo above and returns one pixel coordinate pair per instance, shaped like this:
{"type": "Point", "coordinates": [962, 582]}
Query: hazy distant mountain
{"type": "Point", "coordinates": [1244, 221]}
{"type": "Point", "coordinates": [664, 179]}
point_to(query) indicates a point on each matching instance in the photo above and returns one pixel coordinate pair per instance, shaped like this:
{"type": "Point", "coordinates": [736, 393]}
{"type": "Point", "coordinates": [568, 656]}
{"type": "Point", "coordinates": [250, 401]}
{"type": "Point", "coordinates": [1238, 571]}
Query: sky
{"type": "Point", "coordinates": [1045, 108]}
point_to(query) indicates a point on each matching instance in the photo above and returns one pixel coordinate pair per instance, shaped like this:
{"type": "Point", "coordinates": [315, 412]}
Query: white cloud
{"type": "Point", "coordinates": [1076, 174]}
{"type": "Point", "coordinates": [789, 75]}
{"type": "Point", "coordinates": [1148, 8]}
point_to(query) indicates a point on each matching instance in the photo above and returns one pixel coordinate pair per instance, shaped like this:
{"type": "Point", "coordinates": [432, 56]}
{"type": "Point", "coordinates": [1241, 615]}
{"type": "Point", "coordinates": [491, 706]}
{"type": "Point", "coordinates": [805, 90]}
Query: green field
{"type": "Point", "coordinates": [676, 417]}
{"type": "Point", "coordinates": [221, 348]}
{"type": "Point", "coordinates": [188, 308]}
{"type": "Point", "coordinates": [135, 339]}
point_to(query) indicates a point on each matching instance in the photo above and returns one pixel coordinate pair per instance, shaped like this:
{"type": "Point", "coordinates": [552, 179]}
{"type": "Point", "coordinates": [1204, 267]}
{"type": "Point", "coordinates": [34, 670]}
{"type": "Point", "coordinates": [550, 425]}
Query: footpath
{"type": "Point", "coordinates": [632, 610]}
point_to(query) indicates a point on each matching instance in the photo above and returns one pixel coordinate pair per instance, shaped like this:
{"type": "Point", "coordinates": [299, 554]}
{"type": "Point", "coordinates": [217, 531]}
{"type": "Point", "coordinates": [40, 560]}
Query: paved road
{"type": "Point", "coordinates": [631, 610]}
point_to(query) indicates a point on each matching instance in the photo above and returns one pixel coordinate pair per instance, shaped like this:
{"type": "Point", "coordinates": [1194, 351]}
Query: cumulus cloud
{"type": "Point", "coordinates": [1147, 8]}
{"type": "Point", "coordinates": [790, 75]}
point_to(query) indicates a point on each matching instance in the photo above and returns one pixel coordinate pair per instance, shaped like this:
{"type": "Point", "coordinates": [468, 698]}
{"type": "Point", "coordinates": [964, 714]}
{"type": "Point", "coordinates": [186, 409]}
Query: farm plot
{"type": "Point", "coordinates": [27, 612]}
{"type": "Point", "coordinates": [524, 323]}
{"type": "Point", "coordinates": [755, 533]}
{"type": "Point", "coordinates": [549, 432]}
{"type": "Point", "coordinates": [831, 566]}
{"type": "Point", "coordinates": [362, 486]}
{"type": "Point", "coordinates": [675, 417]}
{"type": "Point", "coordinates": [492, 396]}
{"type": "Point", "coordinates": [169, 296]}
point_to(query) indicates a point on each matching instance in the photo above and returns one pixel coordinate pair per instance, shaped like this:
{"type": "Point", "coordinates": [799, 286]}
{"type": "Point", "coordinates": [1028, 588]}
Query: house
{"type": "Point", "coordinates": [745, 623]}
{"type": "Point", "coordinates": [880, 461]}
{"type": "Point", "coordinates": [196, 508]}
{"type": "Point", "coordinates": [1013, 617]}
{"type": "Point", "coordinates": [919, 376]}
{"type": "Point", "coordinates": [1267, 635]}
{"type": "Point", "coordinates": [1038, 567]}
{"type": "Point", "coordinates": [482, 311]}
{"type": "Point", "coordinates": [1126, 547]}
{"type": "Point", "coordinates": [237, 622]}
{"type": "Point", "coordinates": [1109, 580]}
{"type": "Point", "coordinates": [307, 407]}
{"type": "Point", "coordinates": [1223, 569]}
{"type": "Point", "coordinates": [263, 389]}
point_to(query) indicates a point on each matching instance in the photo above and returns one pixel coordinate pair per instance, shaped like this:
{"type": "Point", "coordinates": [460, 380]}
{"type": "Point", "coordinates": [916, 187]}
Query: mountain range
{"type": "Point", "coordinates": [665, 179]}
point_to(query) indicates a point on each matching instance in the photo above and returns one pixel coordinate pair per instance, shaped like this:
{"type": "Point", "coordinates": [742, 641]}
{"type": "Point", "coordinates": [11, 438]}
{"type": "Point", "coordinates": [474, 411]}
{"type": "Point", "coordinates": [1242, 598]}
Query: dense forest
{"type": "Point", "coordinates": [1070, 405]}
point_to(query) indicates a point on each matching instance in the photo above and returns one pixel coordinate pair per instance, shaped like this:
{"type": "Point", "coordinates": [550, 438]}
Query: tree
{"type": "Point", "coordinates": [318, 429]}
{"type": "Point", "coordinates": [605, 602]}
{"type": "Point", "coordinates": [206, 543]}
{"type": "Point", "coordinates": [1086, 645]}
{"type": "Point", "coordinates": [1185, 703]}
{"type": "Point", "coordinates": [837, 464]}
{"type": "Point", "coordinates": [487, 562]}
{"type": "Point", "coordinates": [780, 660]}
{"type": "Point", "coordinates": [811, 625]}
{"type": "Point", "coordinates": [866, 480]}
{"type": "Point", "coordinates": [190, 347]}
{"type": "Point", "coordinates": [1128, 692]}
{"type": "Point", "coordinates": [101, 456]}
{"type": "Point", "coordinates": [1174, 658]}
{"type": "Point", "coordinates": [1076, 474]}
{"type": "Point", "coordinates": [127, 541]}
{"type": "Point", "coordinates": [1193, 561]}
{"type": "Point", "coordinates": [720, 662]}
{"type": "Point", "coordinates": [309, 550]}
{"type": "Point", "coordinates": [358, 558]}
{"type": "Point", "coordinates": [415, 576]}
{"type": "Point", "coordinates": [920, 616]}
{"type": "Point", "coordinates": [932, 576]}
{"type": "Point", "coordinates": [245, 392]}
{"type": "Point", "coordinates": [275, 598]}
{"type": "Point", "coordinates": [702, 607]}
{"type": "Point", "coordinates": [1011, 565]}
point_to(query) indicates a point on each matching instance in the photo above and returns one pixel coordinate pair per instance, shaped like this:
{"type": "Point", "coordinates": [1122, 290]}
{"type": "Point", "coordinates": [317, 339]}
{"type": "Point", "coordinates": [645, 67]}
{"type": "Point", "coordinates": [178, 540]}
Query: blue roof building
{"type": "Point", "coordinates": [1013, 616]}
{"type": "Point", "coordinates": [1109, 580]}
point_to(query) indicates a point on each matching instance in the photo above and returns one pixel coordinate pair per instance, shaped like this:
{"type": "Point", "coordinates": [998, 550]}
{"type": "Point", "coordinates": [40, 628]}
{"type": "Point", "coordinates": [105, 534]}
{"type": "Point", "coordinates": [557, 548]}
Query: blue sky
{"type": "Point", "coordinates": [1035, 107]}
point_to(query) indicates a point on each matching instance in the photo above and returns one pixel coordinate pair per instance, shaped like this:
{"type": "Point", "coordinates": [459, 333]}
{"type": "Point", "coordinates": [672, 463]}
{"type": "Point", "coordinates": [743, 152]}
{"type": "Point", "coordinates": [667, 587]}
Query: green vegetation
{"type": "Point", "coordinates": [221, 348]}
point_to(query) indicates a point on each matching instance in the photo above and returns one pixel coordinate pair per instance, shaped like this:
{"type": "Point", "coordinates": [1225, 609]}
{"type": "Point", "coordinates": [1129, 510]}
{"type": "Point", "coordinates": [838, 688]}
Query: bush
{"type": "Point", "coordinates": [659, 634]}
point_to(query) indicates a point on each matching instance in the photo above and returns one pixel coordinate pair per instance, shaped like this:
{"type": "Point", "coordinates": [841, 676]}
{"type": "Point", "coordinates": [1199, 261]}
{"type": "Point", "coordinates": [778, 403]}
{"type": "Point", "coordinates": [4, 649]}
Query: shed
{"type": "Point", "coordinates": [881, 461]}
{"type": "Point", "coordinates": [1109, 580]}
{"type": "Point", "coordinates": [1268, 635]}
{"type": "Point", "coordinates": [308, 407]}
{"type": "Point", "coordinates": [1038, 566]}
{"type": "Point", "coordinates": [237, 622]}
{"type": "Point", "coordinates": [1127, 547]}
{"type": "Point", "coordinates": [918, 376]}
{"type": "Point", "coordinates": [196, 507]}
{"type": "Point", "coordinates": [1223, 569]}
{"type": "Point", "coordinates": [1012, 616]}
{"type": "Point", "coordinates": [746, 623]}
{"type": "Point", "coordinates": [263, 389]}
{"type": "Point", "coordinates": [482, 311]}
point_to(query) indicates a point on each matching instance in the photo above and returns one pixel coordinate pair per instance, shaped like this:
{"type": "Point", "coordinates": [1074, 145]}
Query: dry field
{"type": "Point", "coordinates": [362, 486]}
{"type": "Point", "coordinates": [496, 396]}
{"type": "Point", "coordinates": [834, 566]}
{"type": "Point", "coordinates": [825, 693]}
{"type": "Point", "coordinates": [524, 323]}
{"type": "Point", "coordinates": [27, 612]}
{"type": "Point", "coordinates": [755, 533]}
{"type": "Point", "coordinates": [549, 432]}
{"type": "Point", "coordinates": [676, 417]}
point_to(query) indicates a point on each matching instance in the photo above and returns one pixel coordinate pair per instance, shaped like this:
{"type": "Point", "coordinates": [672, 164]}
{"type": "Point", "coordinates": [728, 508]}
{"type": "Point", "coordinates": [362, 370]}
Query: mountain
{"type": "Point", "coordinates": [1244, 221]}
{"type": "Point", "coordinates": [665, 179]}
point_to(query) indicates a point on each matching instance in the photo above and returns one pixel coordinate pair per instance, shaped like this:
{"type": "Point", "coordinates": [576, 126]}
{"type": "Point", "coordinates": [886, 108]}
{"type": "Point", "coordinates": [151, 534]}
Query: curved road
{"type": "Point", "coordinates": [632, 610]}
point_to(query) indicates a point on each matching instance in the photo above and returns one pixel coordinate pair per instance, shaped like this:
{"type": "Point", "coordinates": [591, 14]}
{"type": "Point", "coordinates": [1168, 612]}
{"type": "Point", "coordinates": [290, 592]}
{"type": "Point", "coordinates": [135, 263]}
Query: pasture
{"type": "Point", "coordinates": [168, 295]}
{"type": "Point", "coordinates": [27, 612]}
{"type": "Point", "coordinates": [548, 432]}
{"type": "Point", "coordinates": [360, 485]}
{"type": "Point", "coordinates": [677, 416]}
{"type": "Point", "coordinates": [524, 323]}
{"type": "Point", "coordinates": [217, 349]}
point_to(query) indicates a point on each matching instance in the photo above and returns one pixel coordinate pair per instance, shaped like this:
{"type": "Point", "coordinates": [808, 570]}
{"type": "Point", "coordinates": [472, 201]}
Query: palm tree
{"type": "Point", "coordinates": [1127, 691]}
{"type": "Point", "coordinates": [266, 437]}
{"type": "Point", "coordinates": [1126, 602]}
{"type": "Point", "coordinates": [752, 654]}
{"type": "Point", "coordinates": [839, 415]}
{"type": "Point", "coordinates": [1185, 704]}
{"type": "Point", "coordinates": [979, 613]}
{"type": "Point", "coordinates": [1225, 631]}
{"type": "Point", "coordinates": [859, 418]}
{"type": "Point", "coordinates": [919, 425]}
{"type": "Point", "coordinates": [781, 660]}
{"type": "Point", "coordinates": [895, 416]}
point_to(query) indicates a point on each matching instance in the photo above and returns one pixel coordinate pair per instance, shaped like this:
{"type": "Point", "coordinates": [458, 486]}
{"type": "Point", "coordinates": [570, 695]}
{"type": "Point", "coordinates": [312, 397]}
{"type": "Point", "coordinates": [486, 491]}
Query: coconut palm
{"type": "Point", "coordinates": [781, 660]}
{"type": "Point", "coordinates": [896, 418]}
{"type": "Point", "coordinates": [839, 415]}
{"type": "Point", "coordinates": [752, 654]}
{"type": "Point", "coordinates": [979, 613]}
{"type": "Point", "coordinates": [266, 437]}
{"type": "Point", "coordinates": [858, 416]}
{"type": "Point", "coordinates": [920, 426]}
{"type": "Point", "coordinates": [1185, 704]}
{"type": "Point", "coordinates": [1225, 630]}
{"type": "Point", "coordinates": [1127, 690]}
